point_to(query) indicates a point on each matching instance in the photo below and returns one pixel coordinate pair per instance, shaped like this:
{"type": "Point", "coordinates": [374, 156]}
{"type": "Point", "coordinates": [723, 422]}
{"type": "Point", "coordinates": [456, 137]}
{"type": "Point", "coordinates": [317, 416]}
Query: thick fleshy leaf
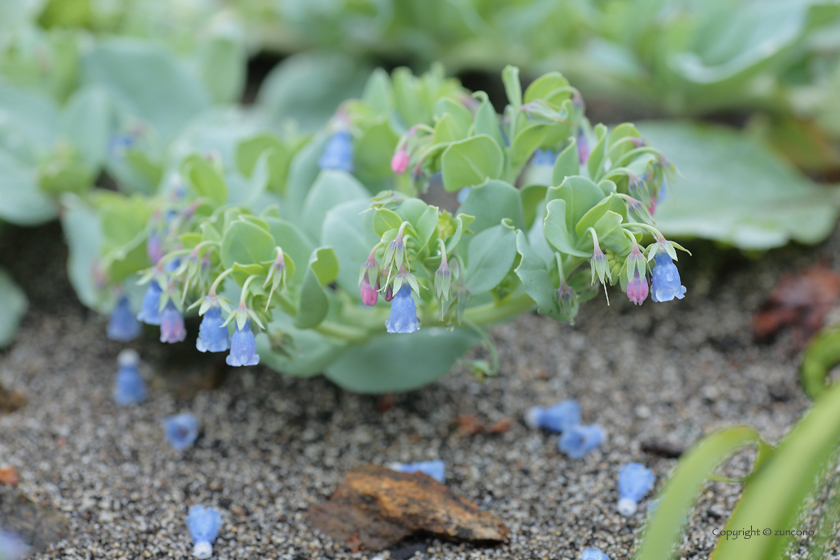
{"type": "Point", "coordinates": [734, 190]}
{"type": "Point", "coordinates": [490, 255]}
{"type": "Point", "coordinates": [347, 229]}
{"type": "Point", "coordinates": [394, 363]}
{"type": "Point", "coordinates": [13, 303]}
{"type": "Point", "coordinates": [536, 279]}
{"type": "Point", "coordinates": [81, 225]}
{"type": "Point", "coordinates": [21, 200]}
{"type": "Point", "coordinates": [314, 302]}
{"type": "Point", "coordinates": [123, 68]}
{"type": "Point", "coordinates": [308, 87]}
{"type": "Point", "coordinates": [331, 189]}
{"type": "Point", "coordinates": [471, 162]}
{"type": "Point", "coordinates": [492, 202]}
{"type": "Point", "coordinates": [246, 243]}
{"type": "Point", "coordinates": [300, 352]}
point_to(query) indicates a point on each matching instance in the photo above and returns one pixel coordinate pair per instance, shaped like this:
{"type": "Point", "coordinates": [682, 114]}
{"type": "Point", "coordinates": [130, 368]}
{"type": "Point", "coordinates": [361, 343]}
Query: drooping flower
{"type": "Point", "coordinates": [154, 247]}
{"type": "Point", "coordinates": [12, 546]}
{"type": "Point", "coordinates": [243, 348]}
{"type": "Point", "coordinates": [369, 294]}
{"type": "Point", "coordinates": [558, 417]}
{"type": "Point", "coordinates": [579, 440]}
{"type": "Point", "coordinates": [582, 146]}
{"type": "Point", "coordinates": [545, 158]}
{"type": "Point", "coordinates": [150, 311]}
{"type": "Point", "coordinates": [435, 469]}
{"type": "Point", "coordinates": [172, 324]}
{"type": "Point", "coordinates": [203, 524]}
{"type": "Point", "coordinates": [338, 153]}
{"type": "Point", "coordinates": [665, 279]}
{"type": "Point", "coordinates": [634, 481]}
{"type": "Point", "coordinates": [443, 279]}
{"type": "Point", "coordinates": [122, 325]}
{"type": "Point", "coordinates": [403, 313]}
{"type": "Point", "coordinates": [593, 554]}
{"type": "Point", "coordinates": [389, 294]}
{"type": "Point", "coordinates": [399, 163]}
{"type": "Point", "coordinates": [637, 289]}
{"type": "Point", "coordinates": [567, 299]}
{"type": "Point", "coordinates": [181, 430]}
{"type": "Point", "coordinates": [129, 387]}
{"type": "Point", "coordinates": [212, 334]}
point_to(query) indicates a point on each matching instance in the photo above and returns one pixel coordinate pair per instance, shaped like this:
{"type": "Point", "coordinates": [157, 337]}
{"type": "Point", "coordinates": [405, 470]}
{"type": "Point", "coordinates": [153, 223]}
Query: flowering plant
{"type": "Point", "coordinates": [330, 248]}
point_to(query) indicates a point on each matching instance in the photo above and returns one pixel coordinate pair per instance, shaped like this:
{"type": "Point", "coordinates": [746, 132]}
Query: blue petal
{"type": "Point", "coordinates": [122, 325]}
{"type": "Point", "coordinates": [545, 158]}
{"type": "Point", "coordinates": [338, 153]}
{"type": "Point", "coordinates": [172, 324]}
{"type": "Point", "coordinates": [150, 313]}
{"type": "Point", "coordinates": [403, 318]}
{"type": "Point", "coordinates": [665, 280]}
{"type": "Point", "coordinates": [435, 469]}
{"type": "Point", "coordinates": [634, 481]}
{"type": "Point", "coordinates": [12, 546]}
{"type": "Point", "coordinates": [593, 554]}
{"type": "Point", "coordinates": [557, 417]}
{"type": "Point", "coordinates": [129, 387]}
{"type": "Point", "coordinates": [181, 430]}
{"type": "Point", "coordinates": [580, 440]}
{"type": "Point", "coordinates": [243, 348]}
{"type": "Point", "coordinates": [203, 524]}
{"type": "Point", "coordinates": [212, 335]}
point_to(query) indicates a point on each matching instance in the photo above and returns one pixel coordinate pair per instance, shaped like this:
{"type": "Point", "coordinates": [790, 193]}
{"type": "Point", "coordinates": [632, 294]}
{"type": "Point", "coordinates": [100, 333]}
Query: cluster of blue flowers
{"type": "Point", "coordinates": [563, 417]}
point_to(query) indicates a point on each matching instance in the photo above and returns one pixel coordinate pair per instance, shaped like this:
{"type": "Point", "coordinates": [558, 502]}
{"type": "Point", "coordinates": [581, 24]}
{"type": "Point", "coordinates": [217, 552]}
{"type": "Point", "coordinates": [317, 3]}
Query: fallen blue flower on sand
{"type": "Point", "coordinates": [181, 430]}
{"type": "Point", "coordinates": [593, 554]}
{"type": "Point", "coordinates": [580, 440]}
{"type": "Point", "coordinates": [12, 546]}
{"type": "Point", "coordinates": [129, 387]}
{"type": "Point", "coordinates": [435, 469]}
{"type": "Point", "coordinates": [204, 524]}
{"type": "Point", "coordinates": [557, 417]}
{"type": "Point", "coordinates": [634, 481]}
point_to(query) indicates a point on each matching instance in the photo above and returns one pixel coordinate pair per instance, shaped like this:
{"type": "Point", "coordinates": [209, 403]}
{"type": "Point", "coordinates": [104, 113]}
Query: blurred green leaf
{"type": "Point", "coordinates": [734, 190]}
{"type": "Point", "coordinates": [308, 87]}
{"type": "Point", "coordinates": [205, 179]}
{"type": "Point", "coordinates": [13, 302]}
{"type": "Point", "coordinates": [306, 352]}
{"type": "Point", "coordinates": [492, 202]}
{"type": "Point", "coordinates": [779, 490]}
{"type": "Point", "coordinates": [348, 229]}
{"type": "Point", "coordinates": [314, 302]}
{"type": "Point", "coordinates": [82, 231]}
{"type": "Point", "coordinates": [86, 123]}
{"type": "Point", "coordinates": [21, 201]}
{"type": "Point", "coordinates": [147, 83]}
{"type": "Point", "coordinates": [822, 354]}
{"type": "Point", "coordinates": [676, 499]}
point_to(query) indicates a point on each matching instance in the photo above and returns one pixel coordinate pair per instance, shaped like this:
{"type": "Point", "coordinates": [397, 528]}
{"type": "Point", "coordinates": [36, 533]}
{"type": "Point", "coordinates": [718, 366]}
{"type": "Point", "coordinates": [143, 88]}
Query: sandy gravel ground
{"type": "Point", "coordinates": [273, 445]}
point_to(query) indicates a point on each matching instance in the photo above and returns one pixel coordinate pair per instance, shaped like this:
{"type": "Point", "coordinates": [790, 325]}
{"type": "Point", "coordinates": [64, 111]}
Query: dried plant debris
{"type": "Point", "coordinates": [799, 301]}
{"type": "Point", "coordinates": [376, 507]}
{"type": "Point", "coordinates": [36, 525]}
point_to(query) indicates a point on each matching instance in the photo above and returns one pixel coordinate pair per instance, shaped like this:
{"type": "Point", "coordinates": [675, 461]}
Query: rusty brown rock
{"type": "Point", "coordinates": [378, 507]}
{"type": "Point", "coordinates": [10, 400]}
{"type": "Point", "coordinates": [9, 476]}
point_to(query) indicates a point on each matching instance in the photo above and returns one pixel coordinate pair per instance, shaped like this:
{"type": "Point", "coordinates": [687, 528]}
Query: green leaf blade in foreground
{"type": "Point", "coordinates": [680, 493]}
{"type": "Point", "coordinates": [777, 492]}
{"type": "Point", "coordinates": [14, 304]}
{"type": "Point", "coordinates": [314, 301]}
{"type": "Point", "coordinates": [391, 363]}
{"type": "Point", "coordinates": [734, 190]}
{"type": "Point", "coordinates": [822, 354]}
{"type": "Point", "coordinates": [489, 258]}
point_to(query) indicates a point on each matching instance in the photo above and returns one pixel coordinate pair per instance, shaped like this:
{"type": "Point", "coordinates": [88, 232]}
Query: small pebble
{"type": "Point", "coordinates": [181, 430]}
{"type": "Point", "coordinates": [557, 417]}
{"type": "Point", "coordinates": [204, 524]}
{"type": "Point", "coordinates": [634, 481]}
{"type": "Point", "coordinates": [577, 441]}
{"type": "Point", "coordinates": [435, 469]}
{"type": "Point", "coordinates": [129, 387]}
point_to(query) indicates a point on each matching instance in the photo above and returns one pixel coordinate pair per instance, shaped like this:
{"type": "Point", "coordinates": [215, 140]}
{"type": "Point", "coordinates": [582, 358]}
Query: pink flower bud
{"type": "Point", "coordinates": [369, 294]}
{"type": "Point", "coordinates": [637, 289]}
{"type": "Point", "coordinates": [399, 163]}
